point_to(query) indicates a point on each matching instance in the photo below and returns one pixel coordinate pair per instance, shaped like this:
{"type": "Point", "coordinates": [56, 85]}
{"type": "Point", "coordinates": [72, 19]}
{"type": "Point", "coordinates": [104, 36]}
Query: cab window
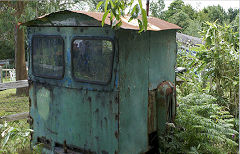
{"type": "Point", "coordinates": [48, 56]}
{"type": "Point", "coordinates": [92, 60]}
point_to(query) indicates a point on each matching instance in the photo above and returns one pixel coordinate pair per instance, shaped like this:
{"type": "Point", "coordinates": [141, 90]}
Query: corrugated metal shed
{"type": "Point", "coordinates": [154, 24]}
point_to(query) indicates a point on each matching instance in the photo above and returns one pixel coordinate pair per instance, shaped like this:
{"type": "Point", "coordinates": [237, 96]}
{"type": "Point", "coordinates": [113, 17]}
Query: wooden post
{"type": "Point", "coordinates": [147, 7]}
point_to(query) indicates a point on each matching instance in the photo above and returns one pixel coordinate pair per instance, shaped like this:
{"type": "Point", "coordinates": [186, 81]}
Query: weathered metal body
{"type": "Point", "coordinates": [123, 115]}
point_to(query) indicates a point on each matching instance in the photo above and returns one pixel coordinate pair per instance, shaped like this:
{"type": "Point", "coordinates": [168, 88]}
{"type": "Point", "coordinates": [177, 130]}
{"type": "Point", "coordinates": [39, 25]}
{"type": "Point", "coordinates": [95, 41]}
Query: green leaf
{"type": "Point", "coordinates": [140, 26]}
{"type": "Point", "coordinates": [119, 12]}
{"type": "Point", "coordinates": [104, 17]}
{"type": "Point", "coordinates": [118, 25]}
{"type": "Point", "coordinates": [106, 5]}
{"type": "Point", "coordinates": [133, 10]}
{"type": "Point", "coordinates": [112, 5]}
{"type": "Point", "coordinates": [130, 3]}
{"type": "Point", "coordinates": [99, 4]}
{"type": "Point", "coordinates": [111, 15]}
{"type": "Point", "coordinates": [6, 139]}
{"type": "Point", "coordinates": [131, 18]}
{"type": "Point", "coordinates": [144, 19]}
{"type": "Point", "coordinates": [140, 3]}
{"type": "Point", "coordinates": [122, 5]}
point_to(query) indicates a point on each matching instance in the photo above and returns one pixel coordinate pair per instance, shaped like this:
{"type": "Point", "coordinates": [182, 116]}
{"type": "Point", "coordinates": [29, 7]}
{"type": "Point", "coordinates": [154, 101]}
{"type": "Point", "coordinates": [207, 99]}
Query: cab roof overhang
{"type": "Point", "coordinates": [94, 19]}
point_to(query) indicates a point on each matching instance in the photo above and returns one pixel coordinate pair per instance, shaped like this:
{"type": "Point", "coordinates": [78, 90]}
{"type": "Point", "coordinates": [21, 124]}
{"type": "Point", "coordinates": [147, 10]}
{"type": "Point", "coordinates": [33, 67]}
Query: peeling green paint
{"type": "Point", "coordinates": [43, 101]}
{"type": "Point", "coordinates": [112, 118]}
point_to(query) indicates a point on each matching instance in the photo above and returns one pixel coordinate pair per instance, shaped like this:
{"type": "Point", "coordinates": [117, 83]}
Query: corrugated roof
{"type": "Point", "coordinates": [154, 24]}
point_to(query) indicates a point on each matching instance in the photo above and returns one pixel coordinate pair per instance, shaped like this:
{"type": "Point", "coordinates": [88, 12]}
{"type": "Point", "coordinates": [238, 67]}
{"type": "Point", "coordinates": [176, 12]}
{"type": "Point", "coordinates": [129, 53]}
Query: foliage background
{"type": "Point", "coordinates": [178, 13]}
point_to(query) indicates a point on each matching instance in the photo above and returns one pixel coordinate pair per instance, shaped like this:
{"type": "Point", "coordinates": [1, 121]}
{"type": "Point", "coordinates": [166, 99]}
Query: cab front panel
{"type": "Point", "coordinates": [73, 88]}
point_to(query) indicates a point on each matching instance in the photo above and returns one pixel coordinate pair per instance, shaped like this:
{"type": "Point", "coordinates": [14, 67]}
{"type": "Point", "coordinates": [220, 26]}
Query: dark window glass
{"type": "Point", "coordinates": [48, 59]}
{"type": "Point", "coordinates": [92, 60]}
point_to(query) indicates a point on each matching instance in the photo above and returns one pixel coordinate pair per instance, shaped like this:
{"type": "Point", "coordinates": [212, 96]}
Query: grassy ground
{"type": "Point", "coordinates": [17, 130]}
{"type": "Point", "coordinates": [11, 104]}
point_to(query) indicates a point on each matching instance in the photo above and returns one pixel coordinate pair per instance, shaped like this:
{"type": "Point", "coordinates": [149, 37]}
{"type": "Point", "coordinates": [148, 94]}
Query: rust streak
{"type": "Point", "coordinates": [151, 100]}
{"type": "Point", "coordinates": [116, 134]}
{"type": "Point", "coordinates": [104, 152]}
{"type": "Point", "coordinates": [89, 99]}
{"type": "Point", "coordinates": [65, 146]}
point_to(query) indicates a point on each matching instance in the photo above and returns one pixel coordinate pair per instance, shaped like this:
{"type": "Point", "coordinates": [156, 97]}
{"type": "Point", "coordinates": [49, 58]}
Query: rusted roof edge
{"type": "Point", "coordinates": [154, 24]}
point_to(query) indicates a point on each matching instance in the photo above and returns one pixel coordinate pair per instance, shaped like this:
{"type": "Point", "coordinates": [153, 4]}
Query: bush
{"type": "Point", "coordinates": [202, 126]}
{"type": "Point", "coordinates": [14, 139]}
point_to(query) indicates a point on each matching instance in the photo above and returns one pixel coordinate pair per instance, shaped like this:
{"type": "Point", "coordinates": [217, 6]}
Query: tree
{"type": "Point", "coordinates": [212, 69]}
{"type": "Point", "coordinates": [7, 33]}
{"type": "Point", "coordinates": [215, 13]}
{"type": "Point", "coordinates": [235, 23]}
{"type": "Point", "coordinates": [17, 9]}
{"type": "Point", "coordinates": [174, 8]}
{"type": "Point", "coordinates": [117, 8]}
{"type": "Point", "coordinates": [181, 19]}
{"type": "Point", "coordinates": [194, 26]}
{"type": "Point", "coordinates": [93, 5]}
{"type": "Point", "coordinates": [20, 65]}
{"type": "Point", "coordinates": [182, 15]}
{"type": "Point", "coordinates": [231, 14]}
{"type": "Point", "coordinates": [218, 57]}
{"type": "Point", "coordinates": [189, 11]}
{"type": "Point", "coordinates": [156, 8]}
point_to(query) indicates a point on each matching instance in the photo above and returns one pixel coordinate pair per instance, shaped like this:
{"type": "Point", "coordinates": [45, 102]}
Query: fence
{"type": "Point", "coordinates": [9, 74]}
{"type": "Point", "coordinates": [12, 107]}
{"type": "Point", "coordinates": [10, 104]}
{"type": "Point", "coordinates": [14, 110]}
{"type": "Point", "coordinates": [1, 74]}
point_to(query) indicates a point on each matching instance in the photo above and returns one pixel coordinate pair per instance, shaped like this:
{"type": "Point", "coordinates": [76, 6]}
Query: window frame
{"type": "Point", "coordinates": [63, 59]}
{"type": "Point", "coordinates": [111, 67]}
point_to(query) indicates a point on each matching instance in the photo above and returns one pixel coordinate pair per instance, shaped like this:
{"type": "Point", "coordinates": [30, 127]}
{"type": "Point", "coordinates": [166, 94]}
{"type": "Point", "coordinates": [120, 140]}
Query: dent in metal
{"type": "Point", "coordinates": [43, 101]}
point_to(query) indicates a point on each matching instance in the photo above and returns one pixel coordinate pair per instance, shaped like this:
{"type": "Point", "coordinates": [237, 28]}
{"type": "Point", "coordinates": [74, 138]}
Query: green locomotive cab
{"type": "Point", "coordinates": [95, 89]}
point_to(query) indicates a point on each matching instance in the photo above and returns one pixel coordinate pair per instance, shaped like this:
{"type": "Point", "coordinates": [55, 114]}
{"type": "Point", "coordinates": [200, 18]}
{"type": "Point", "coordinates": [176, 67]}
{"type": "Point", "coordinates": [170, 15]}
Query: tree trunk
{"type": "Point", "coordinates": [20, 65]}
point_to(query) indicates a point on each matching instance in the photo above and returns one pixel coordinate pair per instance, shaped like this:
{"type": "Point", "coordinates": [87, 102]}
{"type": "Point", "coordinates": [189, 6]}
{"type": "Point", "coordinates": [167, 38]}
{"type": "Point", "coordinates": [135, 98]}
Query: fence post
{"type": "Point", "coordinates": [1, 77]}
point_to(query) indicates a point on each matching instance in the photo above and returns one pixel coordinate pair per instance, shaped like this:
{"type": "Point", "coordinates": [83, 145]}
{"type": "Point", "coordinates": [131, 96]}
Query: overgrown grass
{"type": "Point", "coordinates": [11, 104]}
{"type": "Point", "coordinates": [14, 137]}
{"type": "Point", "coordinates": [6, 80]}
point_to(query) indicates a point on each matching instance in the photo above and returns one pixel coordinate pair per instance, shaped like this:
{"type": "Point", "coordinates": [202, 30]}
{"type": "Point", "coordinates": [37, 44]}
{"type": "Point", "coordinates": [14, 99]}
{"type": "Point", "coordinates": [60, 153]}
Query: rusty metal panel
{"type": "Point", "coordinates": [133, 67]}
{"type": "Point", "coordinates": [165, 105]}
{"type": "Point", "coordinates": [117, 117]}
{"type": "Point", "coordinates": [79, 18]}
{"type": "Point", "coordinates": [72, 115]}
{"type": "Point", "coordinates": [84, 119]}
{"type": "Point", "coordinates": [152, 117]}
{"type": "Point", "coordinates": [162, 58]}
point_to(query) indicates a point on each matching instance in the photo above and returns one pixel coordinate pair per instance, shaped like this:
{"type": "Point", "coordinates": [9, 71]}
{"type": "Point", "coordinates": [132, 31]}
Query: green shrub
{"type": "Point", "coordinates": [14, 139]}
{"type": "Point", "coordinates": [202, 126]}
